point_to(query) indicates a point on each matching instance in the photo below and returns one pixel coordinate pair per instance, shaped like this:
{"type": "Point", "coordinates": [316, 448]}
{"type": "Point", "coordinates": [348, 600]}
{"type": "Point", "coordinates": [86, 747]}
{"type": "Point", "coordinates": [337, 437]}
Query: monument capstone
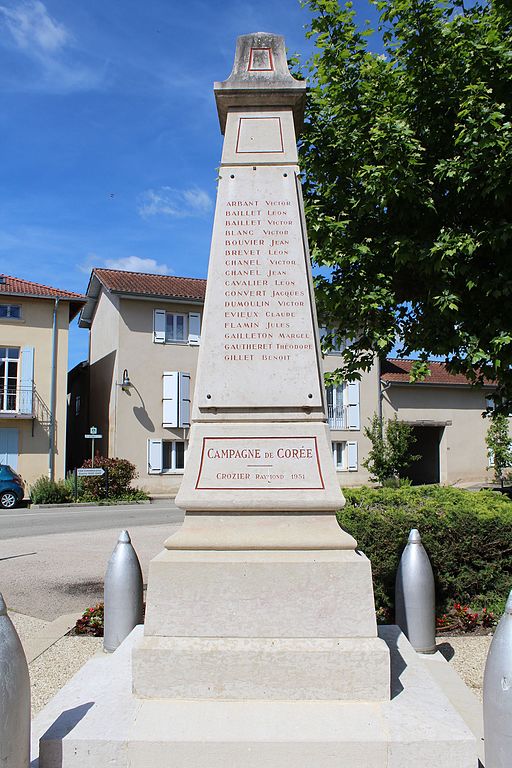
{"type": "Point", "coordinates": [260, 645]}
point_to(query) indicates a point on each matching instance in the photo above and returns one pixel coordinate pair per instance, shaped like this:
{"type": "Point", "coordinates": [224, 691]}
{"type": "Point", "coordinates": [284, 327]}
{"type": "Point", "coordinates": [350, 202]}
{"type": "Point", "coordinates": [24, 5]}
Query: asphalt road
{"type": "Point", "coordinates": [30, 522]}
{"type": "Point", "coordinates": [54, 561]}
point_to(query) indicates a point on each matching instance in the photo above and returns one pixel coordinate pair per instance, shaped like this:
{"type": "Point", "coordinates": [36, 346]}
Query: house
{"type": "Point", "coordinates": [34, 322]}
{"type": "Point", "coordinates": [144, 337]}
{"type": "Point", "coordinates": [145, 332]}
{"type": "Point", "coordinates": [445, 413]}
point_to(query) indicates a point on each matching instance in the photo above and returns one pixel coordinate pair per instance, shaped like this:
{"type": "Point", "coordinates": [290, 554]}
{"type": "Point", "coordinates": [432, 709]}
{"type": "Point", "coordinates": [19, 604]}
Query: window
{"type": "Point", "coordinates": [345, 456]}
{"type": "Point", "coordinates": [10, 311]}
{"type": "Point", "coordinates": [166, 456]}
{"type": "Point", "coordinates": [173, 455]}
{"type": "Point", "coordinates": [9, 367]}
{"type": "Point", "coordinates": [343, 410]}
{"type": "Point", "coordinates": [176, 327]}
{"type": "Point", "coordinates": [336, 411]}
{"type": "Point", "coordinates": [77, 405]}
{"type": "Point", "coordinates": [339, 344]}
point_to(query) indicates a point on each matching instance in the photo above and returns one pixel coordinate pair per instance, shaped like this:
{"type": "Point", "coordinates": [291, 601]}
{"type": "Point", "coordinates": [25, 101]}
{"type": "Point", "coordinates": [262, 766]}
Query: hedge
{"type": "Point", "coordinates": [467, 535]}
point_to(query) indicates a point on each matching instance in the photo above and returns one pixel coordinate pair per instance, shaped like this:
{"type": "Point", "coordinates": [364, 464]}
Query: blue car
{"type": "Point", "coordinates": [12, 489]}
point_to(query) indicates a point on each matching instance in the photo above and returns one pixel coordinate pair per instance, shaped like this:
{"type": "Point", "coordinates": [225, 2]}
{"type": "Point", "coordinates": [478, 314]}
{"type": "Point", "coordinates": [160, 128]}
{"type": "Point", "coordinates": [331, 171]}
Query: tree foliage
{"type": "Point", "coordinates": [407, 160]}
{"type": "Point", "coordinates": [390, 454]}
{"type": "Point", "coordinates": [499, 444]}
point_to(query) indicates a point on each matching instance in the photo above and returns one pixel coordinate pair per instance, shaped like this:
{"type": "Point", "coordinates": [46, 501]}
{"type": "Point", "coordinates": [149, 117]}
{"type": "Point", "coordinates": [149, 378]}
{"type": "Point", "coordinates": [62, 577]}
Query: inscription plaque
{"type": "Point", "coordinates": [259, 463]}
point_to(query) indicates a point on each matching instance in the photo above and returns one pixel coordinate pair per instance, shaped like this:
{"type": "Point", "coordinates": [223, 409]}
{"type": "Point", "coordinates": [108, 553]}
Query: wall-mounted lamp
{"type": "Point", "coordinates": [125, 383]}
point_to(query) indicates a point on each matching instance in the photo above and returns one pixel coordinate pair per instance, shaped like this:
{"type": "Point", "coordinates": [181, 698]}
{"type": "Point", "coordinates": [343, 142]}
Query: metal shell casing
{"type": "Point", "coordinates": [123, 593]}
{"type": "Point", "coordinates": [14, 696]}
{"type": "Point", "coordinates": [498, 694]}
{"type": "Point", "coordinates": [415, 596]}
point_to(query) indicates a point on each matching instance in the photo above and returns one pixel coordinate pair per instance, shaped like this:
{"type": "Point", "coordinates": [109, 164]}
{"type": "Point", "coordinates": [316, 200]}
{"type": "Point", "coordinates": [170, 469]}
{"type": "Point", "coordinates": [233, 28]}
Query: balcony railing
{"type": "Point", "coordinates": [17, 402]}
{"type": "Point", "coordinates": [337, 416]}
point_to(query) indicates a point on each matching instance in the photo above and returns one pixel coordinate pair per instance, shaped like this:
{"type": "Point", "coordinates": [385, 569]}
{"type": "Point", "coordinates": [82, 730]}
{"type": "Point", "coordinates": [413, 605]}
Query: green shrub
{"type": "Point", "coordinates": [467, 536]}
{"type": "Point", "coordinates": [121, 473]}
{"type": "Point", "coordinates": [46, 491]}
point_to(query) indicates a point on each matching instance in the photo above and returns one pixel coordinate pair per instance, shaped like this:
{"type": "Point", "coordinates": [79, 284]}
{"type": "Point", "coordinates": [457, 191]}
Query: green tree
{"type": "Point", "coordinates": [390, 454]}
{"type": "Point", "coordinates": [499, 444]}
{"type": "Point", "coordinates": [407, 160]}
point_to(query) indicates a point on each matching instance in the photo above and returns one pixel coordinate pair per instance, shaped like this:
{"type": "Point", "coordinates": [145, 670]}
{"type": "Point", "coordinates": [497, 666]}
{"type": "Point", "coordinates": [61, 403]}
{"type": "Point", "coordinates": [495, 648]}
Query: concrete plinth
{"type": "Point", "coordinates": [96, 720]}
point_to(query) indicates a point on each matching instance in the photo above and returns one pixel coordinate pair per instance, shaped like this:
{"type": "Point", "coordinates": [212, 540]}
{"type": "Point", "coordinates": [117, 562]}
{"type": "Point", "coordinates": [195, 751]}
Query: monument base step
{"type": "Point", "coordinates": [96, 720]}
{"type": "Point", "coordinates": [244, 668]}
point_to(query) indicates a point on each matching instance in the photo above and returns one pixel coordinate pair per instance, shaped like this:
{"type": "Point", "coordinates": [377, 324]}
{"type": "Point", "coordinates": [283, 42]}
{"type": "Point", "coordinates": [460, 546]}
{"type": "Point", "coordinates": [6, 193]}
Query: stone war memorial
{"type": "Point", "coordinates": [260, 646]}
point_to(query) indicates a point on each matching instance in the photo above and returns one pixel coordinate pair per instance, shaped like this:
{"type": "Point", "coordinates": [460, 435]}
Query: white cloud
{"type": "Point", "coordinates": [125, 263]}
{"type": "Point", "coordinates": [47, 45]}
{"type": "Point", "coordinates": [136, 264]}
{"type": "Point", "coordinates": [33, 28]}
{"type": "Point", "coordinates": [175, 203]}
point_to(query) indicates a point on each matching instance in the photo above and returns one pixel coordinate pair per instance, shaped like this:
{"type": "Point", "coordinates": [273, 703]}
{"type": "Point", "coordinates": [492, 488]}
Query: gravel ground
{"type": "Point", "coordinates": [467, 655]}
{"type": "Point", "coordinates": [50, 671]}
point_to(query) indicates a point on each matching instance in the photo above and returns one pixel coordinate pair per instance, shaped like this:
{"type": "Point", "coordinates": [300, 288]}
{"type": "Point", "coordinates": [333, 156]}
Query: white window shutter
{"type": "Point", "coordinates": [170, 400]}
{"type": "Point", "coordinates": [154, 457]}
{"type": "Point", "coordinates": [184, 393]}
{"type": "Point", "coordinates": [352, 456]}
{"type": "Point", "coordinates": [159, 326]}
{"type": "Point", "coordinates": [26, 400]}
{"type": "Point", "coordinates": [194, 327]}
{"type": "Point", "coordinates": [353, 420]}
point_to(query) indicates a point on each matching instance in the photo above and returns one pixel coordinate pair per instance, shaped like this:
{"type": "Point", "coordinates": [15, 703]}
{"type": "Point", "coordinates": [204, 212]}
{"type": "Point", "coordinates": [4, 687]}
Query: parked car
{"type": "Point", "coordinates": [12, 488]}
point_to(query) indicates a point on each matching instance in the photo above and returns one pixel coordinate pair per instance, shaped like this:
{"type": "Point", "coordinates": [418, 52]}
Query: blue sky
{"type": "Point", "coordinates": [109, 137]}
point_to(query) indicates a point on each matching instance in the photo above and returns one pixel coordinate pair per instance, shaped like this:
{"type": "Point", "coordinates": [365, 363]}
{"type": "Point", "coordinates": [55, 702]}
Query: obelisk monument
{"type": "Point", "coordinates": [260, 646]}
{"type": "Point", "coordinates": [260, 574]}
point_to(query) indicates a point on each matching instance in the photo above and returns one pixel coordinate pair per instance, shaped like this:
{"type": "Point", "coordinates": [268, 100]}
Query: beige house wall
{"type": "Point", "coordinates": [122, 339]}
{"type": "Point", "coordinates": [130, 418]}
{"type": "Point", "coordinates": [34, 329]}
{"type": "Point", "coordinates": [463, 452]}
{"type": "Point", "coordinates": [103, 354]}
{"type": "Point", "coordinates": [369, 394]}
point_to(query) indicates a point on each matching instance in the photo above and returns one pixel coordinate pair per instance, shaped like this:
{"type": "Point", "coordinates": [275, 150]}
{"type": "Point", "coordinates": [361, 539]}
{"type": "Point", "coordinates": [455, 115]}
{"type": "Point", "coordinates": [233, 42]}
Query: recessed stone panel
{"type": "Point", "coordinates": [260, 60]}
{"type": "Point", "coordinates": [259, 134]}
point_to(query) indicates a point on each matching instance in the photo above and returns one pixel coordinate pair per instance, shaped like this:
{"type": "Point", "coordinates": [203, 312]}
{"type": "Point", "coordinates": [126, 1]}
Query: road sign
{"type": "Point", "coordinates": [93, 437]}
{"type": "Point", "coordinates": [90, 471]}
{"type": "Point", "coordinates": [93, 431]}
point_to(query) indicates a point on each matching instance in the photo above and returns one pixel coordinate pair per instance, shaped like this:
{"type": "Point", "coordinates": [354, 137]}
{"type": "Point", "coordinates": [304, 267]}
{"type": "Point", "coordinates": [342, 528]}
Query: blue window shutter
{"type": "Point", "coordinates": [26, 399]}
{"type": "Point", "coordinates": [353, 405]}
{"type": "Point", "coordinates": [352, 456]}
{"type": "Point", "coordinates": [9, 447]}
{"type": "Point", "coordinates": [154, 457]}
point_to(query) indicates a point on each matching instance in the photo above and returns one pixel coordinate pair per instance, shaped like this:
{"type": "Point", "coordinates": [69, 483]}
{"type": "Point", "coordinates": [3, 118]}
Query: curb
{"type": "Point", "coordinates": [81, 504]}
{"type": "Point", "coordinates": [54, 631]}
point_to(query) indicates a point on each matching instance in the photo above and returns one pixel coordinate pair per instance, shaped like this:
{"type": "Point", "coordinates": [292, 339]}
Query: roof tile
{"type": "Point", "coordinates": [398, 371]}
{"type": "Point", "coordinates": [144, 284]}
{"type": "Point", "coordinates": [10, 286]}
